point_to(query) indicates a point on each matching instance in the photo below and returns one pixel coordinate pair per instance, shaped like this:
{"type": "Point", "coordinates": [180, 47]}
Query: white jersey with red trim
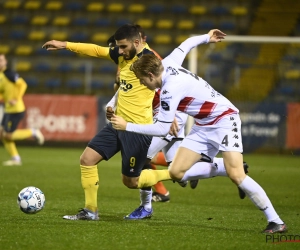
{"type": "Point", "coordinates": [184, 91]}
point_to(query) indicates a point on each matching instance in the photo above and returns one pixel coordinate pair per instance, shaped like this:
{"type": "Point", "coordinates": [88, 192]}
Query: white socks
{"type": "Point", "coordinates": [204, 170]}
{"type": "Point", "coordinates": [146, 197]}
{"type": "Point", "coordinates": [259, 197]}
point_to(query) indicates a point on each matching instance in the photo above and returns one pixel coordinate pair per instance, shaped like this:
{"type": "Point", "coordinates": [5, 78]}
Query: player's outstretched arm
{"type": "Point", "coordinates": [54, 45]}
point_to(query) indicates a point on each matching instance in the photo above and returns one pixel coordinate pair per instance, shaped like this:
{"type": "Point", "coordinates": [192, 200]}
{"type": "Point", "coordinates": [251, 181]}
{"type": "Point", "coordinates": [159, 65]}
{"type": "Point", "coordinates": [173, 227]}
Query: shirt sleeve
{"type": "Point", "coordinates": [22, 86]}
{"type": "Point", "coordinates": [89, 49]}
{"type": "Point", "coordinates": [113, 101]}
{"type": "Point", "coordinates": [179, 54]}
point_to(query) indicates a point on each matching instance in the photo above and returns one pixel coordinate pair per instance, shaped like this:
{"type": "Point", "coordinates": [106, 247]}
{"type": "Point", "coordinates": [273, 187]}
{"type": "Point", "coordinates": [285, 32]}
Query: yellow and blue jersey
{"type": "Point", "coordinates": [134, 100]}
{"type": "Point", "coordinates": [12, 87]}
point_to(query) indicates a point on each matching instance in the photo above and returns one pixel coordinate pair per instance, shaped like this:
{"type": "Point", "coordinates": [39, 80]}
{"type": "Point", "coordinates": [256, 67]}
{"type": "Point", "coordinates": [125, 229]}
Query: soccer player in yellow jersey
{"type": "Point", "coordinates": [12, 89]}
{"type": "Point", "coordinates": [134, 103]}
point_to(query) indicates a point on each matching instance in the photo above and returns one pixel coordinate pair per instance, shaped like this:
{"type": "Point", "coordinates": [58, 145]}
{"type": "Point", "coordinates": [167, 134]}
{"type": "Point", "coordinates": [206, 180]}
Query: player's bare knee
{"type": "Point", "coordinates": [85, 161]}
{"type": "Point", "coordinates": [7, 136]}
{"type": "Point", "coordinates": [176, 175]}
{"type": "Point", "coordinates": [236, 178]}
{"type": "Point", "coordinates": [130, 183]}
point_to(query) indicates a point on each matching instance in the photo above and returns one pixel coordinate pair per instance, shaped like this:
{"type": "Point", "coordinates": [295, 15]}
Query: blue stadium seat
{"type": "Point", "coordinates": [17, 34]}
{"type": "Point", "coordinates": [53, 83]}
{"type": "Point", "coordinates": [64, 52]}
{"type": "Point", "coordinates": [122, 21]}
{"type": "Point", "coordinates": [79, 37]}
{"type": "Point", "coordinates": [102, 22]}
{"type": "Point", "coordinates": [219, 10]}
{"type": "Point", "coordinates": [32, 82]}
{"type": "Point", "coordinates": [64, 67]}
{"type": "Point", "coordinates": [74, 6]}
{"type": "Point", "coordinates": [42, 52]}
{"type": "Point", "coordinates": [108, 68]}
{"type": "Point", "coordinates": [206, 25]}
{"type": "Point", "coordinates": [74, 83]}
{"type": "Point", "coordinates": [42, 67]}
{"type": "Point", "coordinates": [179, 9]}
{"type": "Point", "coordinates": [97, 84]}
{"type": "Point", "coordinates": [227, 25]}
{"type": "Point", "coordinates": [19, 19]}
{"type": "Point", "coordinates": [156, 8]}
{"type": "Point", "coordinates": [80, 21]}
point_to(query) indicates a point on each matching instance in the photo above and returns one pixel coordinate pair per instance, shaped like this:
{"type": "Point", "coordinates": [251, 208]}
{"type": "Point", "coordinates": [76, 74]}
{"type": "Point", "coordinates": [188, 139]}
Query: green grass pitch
{"type": "Point", "coordinates": [209, 217]}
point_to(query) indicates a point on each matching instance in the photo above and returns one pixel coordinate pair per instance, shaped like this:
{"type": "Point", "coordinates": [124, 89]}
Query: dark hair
{"type": "Point", "coordinates": [128, 32]}
{"type": "Point", "coordinates": [140, 29]}
{"type": "Point", "coordinates": [111, 42]}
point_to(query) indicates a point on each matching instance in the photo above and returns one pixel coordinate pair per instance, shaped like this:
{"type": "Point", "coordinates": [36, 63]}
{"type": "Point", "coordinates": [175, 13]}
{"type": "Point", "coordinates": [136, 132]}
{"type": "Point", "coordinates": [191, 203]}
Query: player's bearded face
{"type": "Point", "coordinates": [131, 53]}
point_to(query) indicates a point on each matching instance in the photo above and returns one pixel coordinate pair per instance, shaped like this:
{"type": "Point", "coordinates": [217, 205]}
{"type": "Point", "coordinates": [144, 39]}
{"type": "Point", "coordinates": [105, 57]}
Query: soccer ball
{"type": "Point", "coordinates": [31, 200]}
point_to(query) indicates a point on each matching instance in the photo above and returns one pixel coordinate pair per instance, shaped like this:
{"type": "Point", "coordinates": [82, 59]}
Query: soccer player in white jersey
{"type": "Point", "coordinates": [217, 125]}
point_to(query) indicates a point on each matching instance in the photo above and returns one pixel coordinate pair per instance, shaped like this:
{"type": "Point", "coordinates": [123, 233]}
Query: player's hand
{"type": "Point", "coordinates": [216, 36]}
{"type": "Point", "coordinates": [54, 45]}
{"type": "Point", "coordinates": [109, 113]}
{"type": "Point", "coordinates": [12, 102]}
{"type": "Point", "coordinates": [118, 122]}
{"type": "Point", "coordinates": [174, 128]}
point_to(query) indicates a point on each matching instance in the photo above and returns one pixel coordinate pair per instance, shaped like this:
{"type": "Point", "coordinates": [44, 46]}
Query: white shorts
{"type": "Point", "coordinates": [222, 136]}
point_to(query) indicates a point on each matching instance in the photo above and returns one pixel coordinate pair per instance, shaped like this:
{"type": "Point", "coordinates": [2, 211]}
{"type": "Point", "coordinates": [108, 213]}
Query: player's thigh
{"type": "Point", "coordinates": [156, 145]}
{"type": "Point", "coordinates": [183, 160]}
{"type": "Point", "coordinates": [105, 142]}
{"type": "Point", "coordinates": [170, 149]}
{"type": "Point", "coordinates": [134, 148]}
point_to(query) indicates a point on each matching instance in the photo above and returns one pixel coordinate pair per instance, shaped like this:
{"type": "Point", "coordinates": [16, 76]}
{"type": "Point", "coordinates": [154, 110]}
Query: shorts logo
{"type": "Point", "coordinates": [165, 105]}
{"type": "Point", "coordinates": [235, 130]}
{"type": "Point", "coordinates": [165, 92]}
{"type": "Point", "coordinates": [236, 145]}
{"type": "Point", "coordinates": [236, 136]}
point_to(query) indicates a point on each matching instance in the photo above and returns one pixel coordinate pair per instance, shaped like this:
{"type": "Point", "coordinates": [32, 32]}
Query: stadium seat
{"type": "Point", "coordinates": [100, 37]}
{"type": "Point", "coordinates": [95, 7]}
{"type": "Point", "coordinates": [227, 25]}
{"type": "Point", "coordinates": [108, 68]}
{"type": "Point", "coordinates": [4, 49]}
{"type": "Point", "coordinates": [42, 67]}
{"type": "Point", "coordinates": [145, 23]}
{"type": "Point", "coordinates": [164, 24]}
{"type": "Point", "coordinates": [162, 39]}
{"type": "Point", "coordinates": [197, 10]}
{"type": "Point", "coordinates": [79, 36]}
{"type": "Point", "coordinates": [115, 7]}
{"type": "Point", "coordinates": [39, 20]}
{"type": "Point", "coordinates": [136, 8]}
{"type": "Point", "coordinates": [97, 84]}
{"type": "Point", "coordinates": [53, 83]}
{"type": "Point", "coordinates": [23, 66]}
{"type": "Point", "coordinates": [179, 9]}
{"type": "Point", "coordinates": [37, 35]}
{"type": "Point", "coordinates": [59, 35]}
{"type": "Point", "coordinates": [53, 5]}
{"type": "Point", "coordinates": [61, 20]}
{"type": "Point", "coordinates": [292, 74]}
{"type": "Point", "coordinates": [80, 21]}
{"type": "Point", "coordinates": [219, 10]}
{"type": "Point", "coordinates": [42, 52]}
{"type": "Point", "coordinates": [23, 50]}
{"type": "Point", "coordinates": [2, 19]}
{"type": "Point", "coordinates": [32, 82]}
{"type": "Point", "coordinates": [32, 5]}
{"type": "Point", "coordinates": [206, 25]}
{"type": "Point", "coordinates": [65, 52]}
{"type": "Point", "coordinates": [122, 21]}
{"type": "Point", "coordinates": [239, 11]}
{"type": "Point", "coordinates": [156, 8]}
{"type": "Point", "coordinates": [74, 83]}
{"type": "Point", "coordinates": [74, 6]}
{"type": "Point", "coordinates": [12, 4]}
{"type": "Point", "coordinates": [64, 67]}
{"type": "Point", "coordinates": [185, 25]}
{"type": "Point", "coordinates": [102, 22]}
{"type": "Point", "coordinates": [19, 19]}
{"type": "Point", "coordinates": [17, 34]}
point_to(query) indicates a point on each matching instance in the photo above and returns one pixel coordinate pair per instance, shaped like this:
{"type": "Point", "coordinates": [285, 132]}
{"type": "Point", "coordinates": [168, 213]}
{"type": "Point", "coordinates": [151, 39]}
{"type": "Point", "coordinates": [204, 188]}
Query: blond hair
{"type": "Point", "coordinates": [147, 63]}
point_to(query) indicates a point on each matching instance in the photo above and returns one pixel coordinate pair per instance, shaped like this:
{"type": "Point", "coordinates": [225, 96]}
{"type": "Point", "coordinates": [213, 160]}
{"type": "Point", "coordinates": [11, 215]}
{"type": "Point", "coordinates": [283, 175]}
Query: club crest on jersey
{"type": "Point", "coordinates": [165, 105]}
